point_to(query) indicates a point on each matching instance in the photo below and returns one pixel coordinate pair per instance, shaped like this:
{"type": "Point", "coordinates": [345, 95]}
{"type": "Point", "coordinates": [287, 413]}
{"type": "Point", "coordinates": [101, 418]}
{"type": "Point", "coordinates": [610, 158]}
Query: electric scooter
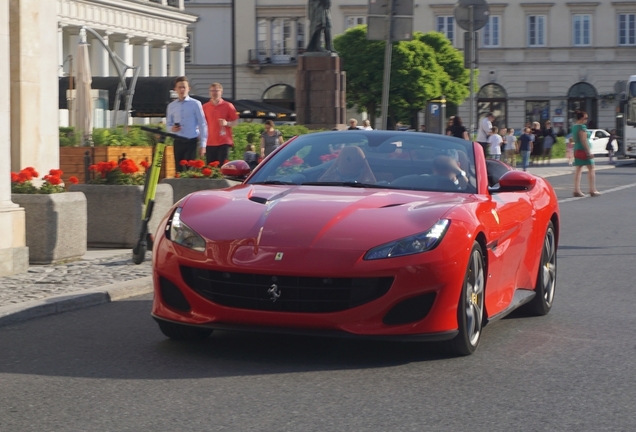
{"type": "Point", "coordinates": [146, 239]}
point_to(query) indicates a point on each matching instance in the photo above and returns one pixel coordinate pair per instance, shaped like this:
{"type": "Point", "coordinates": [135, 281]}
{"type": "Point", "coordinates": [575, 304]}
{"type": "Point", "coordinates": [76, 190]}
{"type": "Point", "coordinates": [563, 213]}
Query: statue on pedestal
{"type": "Point", "coordinates": [319, 17]}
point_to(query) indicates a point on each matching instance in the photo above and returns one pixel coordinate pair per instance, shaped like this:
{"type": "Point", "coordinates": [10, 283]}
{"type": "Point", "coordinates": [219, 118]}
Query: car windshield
{"type": "Point", "coordinates": [373, 159]}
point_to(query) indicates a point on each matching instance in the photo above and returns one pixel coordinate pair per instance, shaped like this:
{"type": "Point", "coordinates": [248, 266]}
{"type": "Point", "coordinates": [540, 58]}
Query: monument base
{"type": "Point", "coordinates": [320, 91]}
{"type": "Point", "coordinates": [14, 255]}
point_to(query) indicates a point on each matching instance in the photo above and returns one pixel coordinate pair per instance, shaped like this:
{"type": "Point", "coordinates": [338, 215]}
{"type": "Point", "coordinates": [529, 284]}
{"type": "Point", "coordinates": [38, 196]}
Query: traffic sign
{"type": "Point", "coordinates": [480, 14]}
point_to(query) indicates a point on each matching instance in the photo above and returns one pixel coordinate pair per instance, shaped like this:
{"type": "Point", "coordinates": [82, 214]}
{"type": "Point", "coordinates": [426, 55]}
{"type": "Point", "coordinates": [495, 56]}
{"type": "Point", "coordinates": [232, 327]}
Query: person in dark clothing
{"type": "Point", "coordinates": [537, 148]}
{"type": "Point", "coordinates": [457, 129]}
{"type": "Point", "coordinates": [549, 139]}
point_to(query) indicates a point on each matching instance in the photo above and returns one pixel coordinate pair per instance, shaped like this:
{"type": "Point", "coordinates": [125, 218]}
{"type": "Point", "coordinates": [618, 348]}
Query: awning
{"type": "Point", "coordinates": [152, 96]}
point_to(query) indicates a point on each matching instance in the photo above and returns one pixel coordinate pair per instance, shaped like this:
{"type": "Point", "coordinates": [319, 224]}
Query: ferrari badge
{"type": "Point", "coordinates": [279, 256]}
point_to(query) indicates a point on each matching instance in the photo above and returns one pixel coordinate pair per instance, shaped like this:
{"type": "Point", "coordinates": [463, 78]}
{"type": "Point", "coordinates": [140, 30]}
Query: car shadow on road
{"type": "Point", "coordinates": [120, 340]}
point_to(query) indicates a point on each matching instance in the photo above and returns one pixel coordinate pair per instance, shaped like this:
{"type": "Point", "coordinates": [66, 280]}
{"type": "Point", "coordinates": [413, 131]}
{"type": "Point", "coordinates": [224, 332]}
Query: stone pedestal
{"type": "Point", "coordinates": [320, 91]}
{"type": "Point", "coordinates": [55, 226]}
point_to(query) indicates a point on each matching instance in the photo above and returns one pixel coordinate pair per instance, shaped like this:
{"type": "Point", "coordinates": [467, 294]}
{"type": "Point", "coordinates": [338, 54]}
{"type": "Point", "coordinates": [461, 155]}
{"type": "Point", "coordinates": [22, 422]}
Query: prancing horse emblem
{"type": "Point", "coordinates": [274, 292]}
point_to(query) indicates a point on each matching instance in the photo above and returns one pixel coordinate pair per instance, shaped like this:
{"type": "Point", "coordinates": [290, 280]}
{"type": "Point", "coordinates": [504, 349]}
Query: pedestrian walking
{"type": "Point", "coordinates": [510, 154]}
{"type": "Point", "coordinates": [221, 117]}
{"type": "Point", "coordinates": [250, 156]}
{"type": "Point", "coordinates": [353, 124]}
{"type": "Point", "coordinates": [494, 142]}
{"type": "Point", "coordinates": [537, 147]}
{"type": "Point", "coordinates": [569, 149]}
{"type": "Point", "coordinates": [583, 155]}
{"type": "Point", "coordinates": [549, 138]}
{"type": "Point", "coordinates": [457, 129]}
{"type": "Point", "coordinates": [610, 146]}
{"type": "Point", "coordinates": [485, 128]}
{"type": "Point", "coordinates": [366, 125]}
{"type": "Point", "coordinates": [270, 139]}
{"type": "Point", "coordinates": [525, 147]}
{"type": "Point", "coordinates": [185, 117]}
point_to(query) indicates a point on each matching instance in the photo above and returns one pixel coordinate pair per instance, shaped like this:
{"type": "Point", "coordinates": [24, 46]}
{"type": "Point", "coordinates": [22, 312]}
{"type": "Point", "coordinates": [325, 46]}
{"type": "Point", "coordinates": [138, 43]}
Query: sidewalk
{"type": "Point", "coordinates": [104, 275]}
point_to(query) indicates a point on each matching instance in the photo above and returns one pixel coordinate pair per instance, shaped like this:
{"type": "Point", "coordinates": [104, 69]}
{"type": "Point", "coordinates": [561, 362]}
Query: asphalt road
{"type": "Point", "coordinates": [107, 368]}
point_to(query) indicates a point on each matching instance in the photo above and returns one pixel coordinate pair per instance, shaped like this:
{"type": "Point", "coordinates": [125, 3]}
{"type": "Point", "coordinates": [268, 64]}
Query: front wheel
{"type": "Point", "coordinates": [183, 332]}
{"type": "Point", "coordinates": [470, 309]}
{"type": "Point", "coordinates": [546, 279]}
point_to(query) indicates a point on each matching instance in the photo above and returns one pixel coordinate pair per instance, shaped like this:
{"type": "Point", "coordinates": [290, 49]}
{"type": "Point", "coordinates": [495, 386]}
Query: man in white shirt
{"type": "Point", "coordinates": [484, 130]}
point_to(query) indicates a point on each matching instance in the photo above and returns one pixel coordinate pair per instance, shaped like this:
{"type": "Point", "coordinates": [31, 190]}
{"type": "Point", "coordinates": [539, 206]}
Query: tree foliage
{"type": "Point", "coordinates": [421, 69]}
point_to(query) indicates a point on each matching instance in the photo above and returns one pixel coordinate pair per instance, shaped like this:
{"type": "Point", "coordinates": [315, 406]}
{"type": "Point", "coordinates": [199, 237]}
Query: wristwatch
{"type": "Point", "coordinates": [461, 173]}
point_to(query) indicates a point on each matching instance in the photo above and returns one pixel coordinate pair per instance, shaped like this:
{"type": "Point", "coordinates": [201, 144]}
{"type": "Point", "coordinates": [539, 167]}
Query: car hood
{"type": "Point", "coordinates": [315, 216]}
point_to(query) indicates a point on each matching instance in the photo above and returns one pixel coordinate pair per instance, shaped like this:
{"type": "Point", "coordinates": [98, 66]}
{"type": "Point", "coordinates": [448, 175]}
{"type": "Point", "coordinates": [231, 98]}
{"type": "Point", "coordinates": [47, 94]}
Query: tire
{"type": "Point", "coordinates": [546, 278]}
{"type": "Point", "coordinates": [139, 253]}
{"type": "Point", "coordinates": [183, 332]}
{"type": "Point", "coordinates": [470, 309]}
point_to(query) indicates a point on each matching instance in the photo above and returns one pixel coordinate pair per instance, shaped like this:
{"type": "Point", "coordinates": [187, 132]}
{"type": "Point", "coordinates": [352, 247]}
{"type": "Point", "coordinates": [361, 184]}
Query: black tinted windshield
{"type": "Point", "coordinates": [391, 159]}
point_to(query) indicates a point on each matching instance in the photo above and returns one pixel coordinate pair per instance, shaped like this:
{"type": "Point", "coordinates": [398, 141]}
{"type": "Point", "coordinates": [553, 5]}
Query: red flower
{"type": "Point", "coordinates": [52, 179]}
{"type": "Point", "coordinates": [73, 179]}
{"type": "Point", "coordinates": [31, 171]}
{"type": "Point", "coordinates": [144, 164]}
{"type": "Point", "coordinates": [56, 172]}
{"type": "Point", "coordinates": [183, 162]}
{"type": "Point", "coordinates": [128, 166]}
{"type": "Point", "coordinates": [15, 177]}
{"type": "Point", "coordinates": [206, 172]}
{"type": "Point", "coordinates": [198, 163]}
{"type": "Point", "coordinates": [297, 161]}
{"type": "Point", "coordinates": [214, 164]}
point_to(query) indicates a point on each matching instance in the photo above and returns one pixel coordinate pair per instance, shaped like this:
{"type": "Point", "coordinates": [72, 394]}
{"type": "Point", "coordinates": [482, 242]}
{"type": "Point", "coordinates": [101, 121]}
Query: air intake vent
{"type": "Point", "coordinates": [410, 310]}
{"type": "Point", "coordinates": [172, 296]}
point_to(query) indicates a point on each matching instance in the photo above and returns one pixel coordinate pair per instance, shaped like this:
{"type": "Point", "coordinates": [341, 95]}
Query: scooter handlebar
{"type": "Point", "coordinates": [158, 131]}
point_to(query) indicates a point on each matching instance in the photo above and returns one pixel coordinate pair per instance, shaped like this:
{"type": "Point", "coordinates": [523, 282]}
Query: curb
{"type": "Point", "coordinates": [54, 305]}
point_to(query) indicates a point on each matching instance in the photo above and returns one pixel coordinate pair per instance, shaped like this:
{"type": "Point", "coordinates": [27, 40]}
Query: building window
{"type": "Point", "coordinates": [536, 30]}
{"type": "Point", "coordinates": [187, 51]}
{"type": "Point", "coordinates": [627, 29]}
{"type": "Point", "coordinates": [446, 26]}
{"type": "Point", "coordinates": [281, 36]}
{"type": "Point", "coordinates": [261, 42]}
{"type": "Point", "coordinates": [300, 35]}
{"type": "Point", "coordinates": [352, 21]}
{"type": "Point", "coordinates": [537, 111]}
{"type": "Point", "coordinates": [582, 30]}
{"type": "Point", "coordinates": [490, 32]}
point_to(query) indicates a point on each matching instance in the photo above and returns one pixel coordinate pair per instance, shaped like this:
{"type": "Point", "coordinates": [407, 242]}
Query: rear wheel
{"type": "Point", "coordinates": [183, 332]}
{"type": "Point", "coordinates": [546, 279]}
{"type": "Point", "coordinates": [470, 310]}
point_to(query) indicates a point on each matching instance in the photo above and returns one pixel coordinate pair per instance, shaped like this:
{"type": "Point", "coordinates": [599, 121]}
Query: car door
{"type": "Point", "coordinates": [509, 224]}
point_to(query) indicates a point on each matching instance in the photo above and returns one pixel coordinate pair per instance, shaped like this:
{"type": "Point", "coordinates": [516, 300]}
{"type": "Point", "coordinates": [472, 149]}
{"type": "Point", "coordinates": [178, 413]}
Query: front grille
{"type": "Point", "coordinates": [292, 293]}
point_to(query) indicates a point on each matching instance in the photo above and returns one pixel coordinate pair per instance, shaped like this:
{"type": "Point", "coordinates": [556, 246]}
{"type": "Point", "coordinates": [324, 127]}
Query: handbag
{"type": "Point", "coordinates": [581, 154]}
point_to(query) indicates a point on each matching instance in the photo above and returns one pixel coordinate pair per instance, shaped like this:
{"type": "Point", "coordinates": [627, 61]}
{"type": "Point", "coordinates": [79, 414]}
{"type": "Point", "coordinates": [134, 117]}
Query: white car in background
{"type": "Point", "coordinates": [598, 141]}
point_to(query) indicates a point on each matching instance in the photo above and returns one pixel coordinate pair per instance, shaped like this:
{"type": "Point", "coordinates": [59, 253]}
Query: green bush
{"type": "Point", "coordinates": [68, 137]}
{"type": "Point", "coordinates": [111, 137]}
{"type": "Point", "coordinates": [558, 149]}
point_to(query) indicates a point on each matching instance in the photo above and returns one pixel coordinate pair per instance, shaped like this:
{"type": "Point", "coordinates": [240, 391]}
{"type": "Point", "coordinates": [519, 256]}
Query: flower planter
{"type": "Point", "coordinates": [115, 212]}
{"type": "Point", "coordinates": [184, 186]}
{"type": "Point", "coordinates": [56, 226]}
{"type": "Point", "coordinates": [72, 159]}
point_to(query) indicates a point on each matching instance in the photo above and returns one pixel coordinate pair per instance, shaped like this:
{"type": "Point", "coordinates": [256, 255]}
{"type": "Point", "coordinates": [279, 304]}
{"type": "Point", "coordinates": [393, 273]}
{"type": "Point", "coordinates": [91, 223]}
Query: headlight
{"type": "Point", "coordinates": [411, 245]}
{"type": "Point", "coordinates": [180, 233]}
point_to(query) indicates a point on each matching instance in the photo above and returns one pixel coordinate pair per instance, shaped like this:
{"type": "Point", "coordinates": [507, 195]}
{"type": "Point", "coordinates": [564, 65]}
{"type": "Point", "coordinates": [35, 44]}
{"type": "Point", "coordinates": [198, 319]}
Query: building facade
{"type": "Point", "coordinates": [537, 60]}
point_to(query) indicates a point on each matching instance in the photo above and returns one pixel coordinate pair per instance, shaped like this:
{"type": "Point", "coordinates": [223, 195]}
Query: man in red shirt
{"type": "Point", "coordinates": [221, 117]}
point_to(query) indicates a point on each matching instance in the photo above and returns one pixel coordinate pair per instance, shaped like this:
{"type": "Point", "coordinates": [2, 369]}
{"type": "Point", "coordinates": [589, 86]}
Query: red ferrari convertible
{"type": "Point", "coordinates": [369, 234]}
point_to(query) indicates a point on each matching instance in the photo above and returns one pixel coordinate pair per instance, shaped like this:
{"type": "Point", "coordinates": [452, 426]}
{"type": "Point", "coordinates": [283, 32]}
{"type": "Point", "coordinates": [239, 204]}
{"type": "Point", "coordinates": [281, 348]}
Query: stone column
{"type": "Point", "coordinates": [100, 60]}
{"type": "Point", "coordinates": [177, 60]}
{"type": "Point", "coordinates": [141, 58]}
{"type": "Point", "coordinates": [14, 255]}
{"type": "Point", "coordinates": [159, 60]}
{"type": "Point", "coordinates": [124, 50]}
{"type": "Point", "coordinates": [60, 49]}
{"type": "Point", "coordinates": [34, 84]}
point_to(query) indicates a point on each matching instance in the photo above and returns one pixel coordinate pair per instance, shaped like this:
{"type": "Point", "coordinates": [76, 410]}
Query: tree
{"type": "Point", "coordinates": [418, 73]}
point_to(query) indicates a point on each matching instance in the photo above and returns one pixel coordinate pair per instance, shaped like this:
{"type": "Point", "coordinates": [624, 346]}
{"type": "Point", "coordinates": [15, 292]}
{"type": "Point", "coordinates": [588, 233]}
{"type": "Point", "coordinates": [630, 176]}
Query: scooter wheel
{"type": "Point", "coordinates": [139, 253]}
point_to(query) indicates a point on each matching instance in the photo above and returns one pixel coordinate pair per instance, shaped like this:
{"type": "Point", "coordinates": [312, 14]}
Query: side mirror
{"type": "Point", "coordinates": [515, 181]}
{"type": "Point", "coordinates": [237, 169]}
